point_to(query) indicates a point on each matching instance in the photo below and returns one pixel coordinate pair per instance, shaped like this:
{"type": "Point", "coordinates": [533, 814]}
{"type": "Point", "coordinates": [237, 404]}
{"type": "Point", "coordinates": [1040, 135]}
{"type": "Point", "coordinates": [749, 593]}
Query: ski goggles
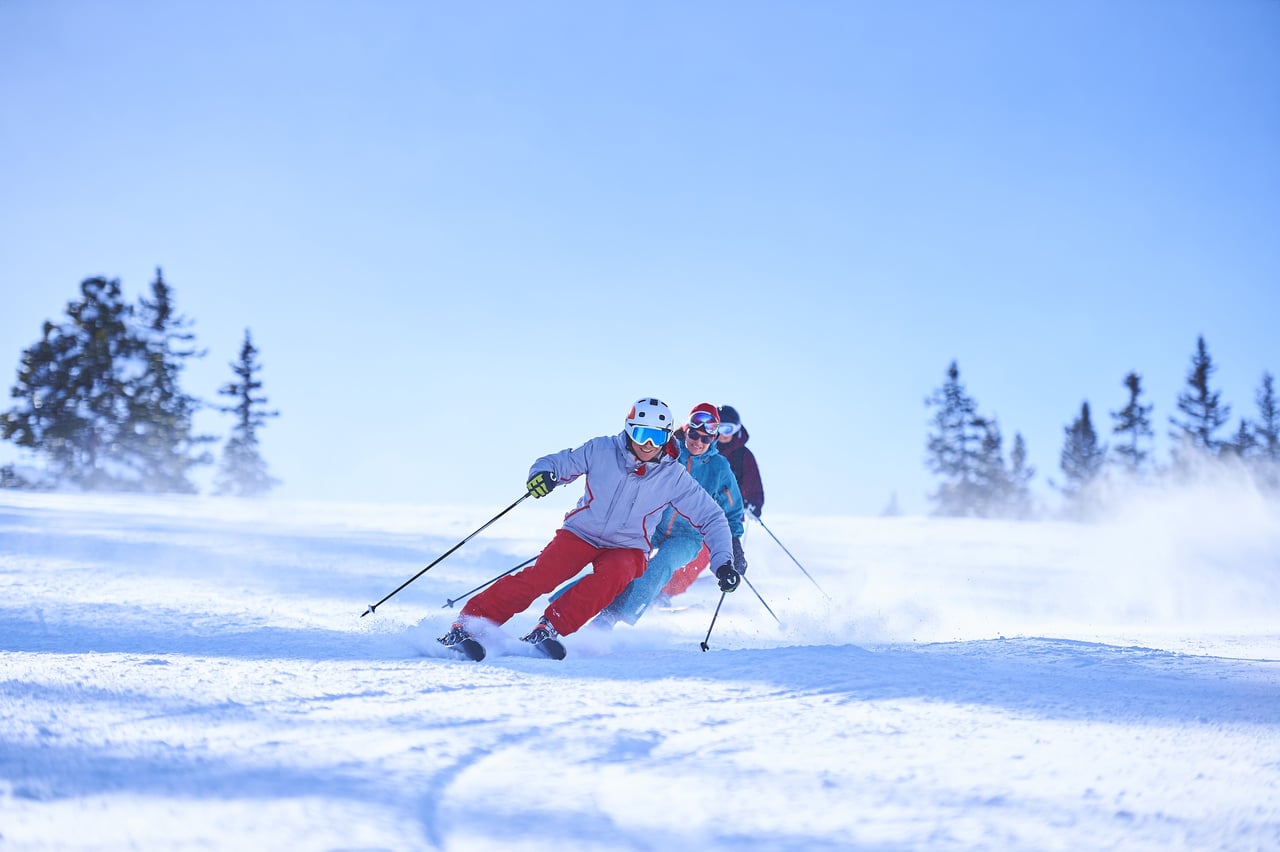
{"type": "Point", "coordinates": [729, 429]}
{"type": "Point", "coordinates": [648, 435]}
{"type": "Point", "coordinates": [701, 421]}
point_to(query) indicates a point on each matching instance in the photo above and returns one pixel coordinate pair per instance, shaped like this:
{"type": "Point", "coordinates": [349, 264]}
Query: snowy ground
{"type": "Point", "coordinates": [191, 673]}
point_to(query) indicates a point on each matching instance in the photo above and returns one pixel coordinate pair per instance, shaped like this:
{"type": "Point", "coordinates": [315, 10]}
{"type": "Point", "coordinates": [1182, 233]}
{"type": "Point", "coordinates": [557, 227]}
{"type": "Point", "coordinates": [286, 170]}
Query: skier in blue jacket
{"type": "Point", "coordinates": [676, 539]}
{"type": "Point", "coordinates": [630, 479]}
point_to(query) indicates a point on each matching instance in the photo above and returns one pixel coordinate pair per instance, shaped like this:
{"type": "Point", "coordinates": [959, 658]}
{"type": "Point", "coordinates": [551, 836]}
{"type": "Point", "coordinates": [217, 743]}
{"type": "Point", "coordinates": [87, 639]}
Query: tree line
{"type": "Point", "coordinates": [964, 448]}
{"type": "Point", "coordinates": [99, 400]}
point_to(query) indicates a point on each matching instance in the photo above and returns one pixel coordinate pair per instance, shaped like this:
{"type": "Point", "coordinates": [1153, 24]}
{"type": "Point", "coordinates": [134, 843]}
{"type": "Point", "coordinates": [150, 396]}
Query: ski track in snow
{"type": "Point", "coordinates": [192, 673]}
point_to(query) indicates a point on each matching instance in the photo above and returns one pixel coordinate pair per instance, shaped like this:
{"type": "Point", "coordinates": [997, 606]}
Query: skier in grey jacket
{"type": "Point", "coordinates": [630, 479]}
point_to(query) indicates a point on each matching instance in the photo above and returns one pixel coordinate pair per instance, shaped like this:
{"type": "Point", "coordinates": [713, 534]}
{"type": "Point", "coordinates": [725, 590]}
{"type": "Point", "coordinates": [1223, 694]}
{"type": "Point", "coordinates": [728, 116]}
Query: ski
{"type": "Point", "coordinates": [552, 648]}
{"type": "Point", "coordinates": [469, 648]}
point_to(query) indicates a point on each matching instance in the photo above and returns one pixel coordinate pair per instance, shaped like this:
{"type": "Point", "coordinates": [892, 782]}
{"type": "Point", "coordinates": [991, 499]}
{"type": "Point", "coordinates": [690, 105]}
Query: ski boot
{"type": "Point", "coordinates": [460, 639]}
{"type": "Point", "coordinates": [543, 637]}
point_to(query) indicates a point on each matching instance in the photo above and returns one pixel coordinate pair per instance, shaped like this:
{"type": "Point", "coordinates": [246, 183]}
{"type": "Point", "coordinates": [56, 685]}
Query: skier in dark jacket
{"type": "Point", "coordinates": [631, 478]}
{"type": "Point", "coordinates": [733, 446]}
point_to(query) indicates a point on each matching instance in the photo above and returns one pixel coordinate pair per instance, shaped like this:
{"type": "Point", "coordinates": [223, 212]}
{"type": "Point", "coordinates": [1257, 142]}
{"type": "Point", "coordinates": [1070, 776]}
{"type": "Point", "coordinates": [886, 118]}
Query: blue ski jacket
{"type": "Point", "coordinates": [624, 499]}
{"type": "Point", "coordinates": [712, 472]}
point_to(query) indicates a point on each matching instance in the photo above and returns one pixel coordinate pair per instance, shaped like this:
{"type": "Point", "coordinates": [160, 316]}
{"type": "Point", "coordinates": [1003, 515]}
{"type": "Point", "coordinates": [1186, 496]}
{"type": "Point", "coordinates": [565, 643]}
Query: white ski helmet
{"type": "Point", "coordinates": [649, 414]}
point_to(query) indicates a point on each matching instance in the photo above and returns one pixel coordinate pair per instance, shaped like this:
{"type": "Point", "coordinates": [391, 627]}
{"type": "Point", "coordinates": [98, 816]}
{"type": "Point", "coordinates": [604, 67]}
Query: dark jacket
{"type": "Point", "coordinates": [743, 464]}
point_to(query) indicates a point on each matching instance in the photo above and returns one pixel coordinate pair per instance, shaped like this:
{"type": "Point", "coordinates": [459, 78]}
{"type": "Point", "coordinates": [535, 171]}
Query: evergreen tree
{"type": "Point", "coordinates": [993, 486]}
{"type": "Point", "coordinates": [1082, 457]}
{"type": "Point", "coordinates": [1266, 435]}
{"type": "Point", "coordinates": [242, 471]}
{"type": "Point", "coordinates": [10, 478]}
{"type": "Point", "coordinates": [162, 442]}
{"type": "Point", "coordinates": [1242, 444]}
{"type": "Point", "coordinates": [995, 489]}
{"type": "Point", "coordinates": [1133, 424]}
{"type": "Point", "coordinates": [1204, 414]}
{"type": "Point", "coordinates": [1020, 503]}
{"type": "Point", "coordinates": [953, 447]}
{"type": "Point", "coordinates": [1267, 431]}
{"type": "Point", "coordinates": [47, 418]}
{"type": "Point", "coordinates": [967, 450]}
{"type": "Point", "coordinates": [73, 391]}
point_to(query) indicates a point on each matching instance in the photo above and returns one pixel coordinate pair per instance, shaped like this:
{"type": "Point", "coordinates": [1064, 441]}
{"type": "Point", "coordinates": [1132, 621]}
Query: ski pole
{"type": "Point", "coordinates": [705, 646]}
{"type": "Point", "coordinates": [450, 603]}
{"type": "Point", "coordinates": [788, 552]}
{"type": "Point", "coordinates": [372, 607]}
{"type": "Point", "coordinates": [757, 594]}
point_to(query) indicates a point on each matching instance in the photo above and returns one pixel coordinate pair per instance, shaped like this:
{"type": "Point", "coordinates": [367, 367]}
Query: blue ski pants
{"type": "Point", "coordinates": [675, 553]}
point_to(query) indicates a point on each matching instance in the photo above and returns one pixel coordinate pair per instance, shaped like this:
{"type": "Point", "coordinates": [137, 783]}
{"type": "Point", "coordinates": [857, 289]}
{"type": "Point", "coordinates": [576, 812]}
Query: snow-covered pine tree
{"type": "Point", "coordinates": [163, 446]}
{"type": "Point", "coordinates": [1204, 412]}
{"type": "Point", "coordinates": [1133, 425]}
{"type": "Point", "coordinates": [242, 471]}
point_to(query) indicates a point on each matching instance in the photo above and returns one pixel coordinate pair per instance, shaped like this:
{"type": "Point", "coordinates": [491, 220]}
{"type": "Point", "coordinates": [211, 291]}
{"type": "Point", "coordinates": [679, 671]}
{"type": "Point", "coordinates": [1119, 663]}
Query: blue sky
{"type": "Point", "coordinates": [464, 237]}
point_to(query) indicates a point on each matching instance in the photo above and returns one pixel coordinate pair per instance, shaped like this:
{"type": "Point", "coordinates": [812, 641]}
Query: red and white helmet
{"type": "Point", "coordinates": [650, 422]}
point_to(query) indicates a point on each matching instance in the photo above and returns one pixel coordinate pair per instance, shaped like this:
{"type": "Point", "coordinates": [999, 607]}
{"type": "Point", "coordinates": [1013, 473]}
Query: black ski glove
{"type": "Point", "coordinates": [541, 483]}
{"type": "Point", "coordinates": [739, 558]}
{"type": "Point", "coordinates": [753, 510]}
{"type": "Point", "coordinates": [728, 577]}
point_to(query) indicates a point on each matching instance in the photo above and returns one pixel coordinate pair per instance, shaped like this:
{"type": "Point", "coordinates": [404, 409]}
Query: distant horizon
{"type": "Point", "coordinates": [1198, 480]}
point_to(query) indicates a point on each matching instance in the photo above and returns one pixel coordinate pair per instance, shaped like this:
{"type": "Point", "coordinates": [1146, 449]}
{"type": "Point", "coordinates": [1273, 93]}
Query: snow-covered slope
{"type": "Point", "coordinates": [187, 673]}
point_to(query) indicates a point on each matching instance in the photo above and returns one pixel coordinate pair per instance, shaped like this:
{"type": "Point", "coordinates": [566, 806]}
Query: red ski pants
{"type": "Point", "coordinates": [561, 560]}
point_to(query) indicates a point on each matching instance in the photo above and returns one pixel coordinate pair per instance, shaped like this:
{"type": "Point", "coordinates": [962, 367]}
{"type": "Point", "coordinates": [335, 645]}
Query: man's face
{"type": "Point", "coordinates": [645, 452]}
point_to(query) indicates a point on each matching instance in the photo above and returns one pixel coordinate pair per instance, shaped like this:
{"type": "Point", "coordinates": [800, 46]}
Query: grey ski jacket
{"type": "Point", "coordinates": [623, 500]}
